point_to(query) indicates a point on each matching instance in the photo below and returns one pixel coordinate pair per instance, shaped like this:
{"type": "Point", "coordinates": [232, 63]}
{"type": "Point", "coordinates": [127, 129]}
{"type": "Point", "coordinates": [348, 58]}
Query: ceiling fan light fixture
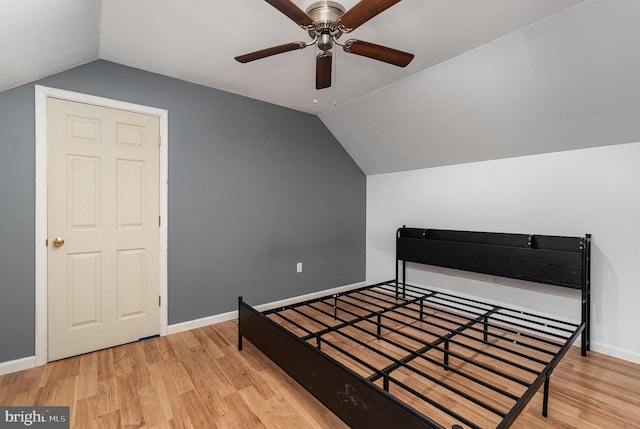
{"type": "Point", "coordinates": [325, 41]}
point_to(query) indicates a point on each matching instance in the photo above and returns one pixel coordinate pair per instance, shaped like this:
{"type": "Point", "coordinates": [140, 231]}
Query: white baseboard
{"type": "Point", "coordinates": [17, 365]}
{"type": "Point", "coordinates": [615, 352]}
{"type": "Point", "coordinates": [199, 323]}
{"type": "Point", "coordinates": [314, 295]}
{"type": "Point", "coordinates": [223, 317]}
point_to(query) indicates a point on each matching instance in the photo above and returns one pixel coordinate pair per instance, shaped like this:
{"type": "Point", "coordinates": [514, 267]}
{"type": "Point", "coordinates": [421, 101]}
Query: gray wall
{"type": "Point", "coordinates": [253, 189]}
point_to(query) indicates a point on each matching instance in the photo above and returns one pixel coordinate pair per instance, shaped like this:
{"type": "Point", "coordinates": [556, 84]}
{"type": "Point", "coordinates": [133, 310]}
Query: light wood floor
{"type": "Point", "coordinates": [198, 379]}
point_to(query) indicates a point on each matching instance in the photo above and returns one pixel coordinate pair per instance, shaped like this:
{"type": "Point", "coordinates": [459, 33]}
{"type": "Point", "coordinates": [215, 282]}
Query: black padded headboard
{"type": "Point", "coordinates": [561, 261]}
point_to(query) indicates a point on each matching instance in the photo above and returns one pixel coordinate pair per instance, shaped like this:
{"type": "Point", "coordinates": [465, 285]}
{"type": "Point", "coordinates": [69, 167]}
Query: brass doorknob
{"type": "Point", "coordinates": [58, 242]}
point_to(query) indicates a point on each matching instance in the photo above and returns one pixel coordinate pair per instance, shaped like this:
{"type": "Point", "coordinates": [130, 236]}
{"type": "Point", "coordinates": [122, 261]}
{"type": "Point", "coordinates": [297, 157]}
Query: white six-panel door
{"type": "Point", "coordinates": [103, 227]}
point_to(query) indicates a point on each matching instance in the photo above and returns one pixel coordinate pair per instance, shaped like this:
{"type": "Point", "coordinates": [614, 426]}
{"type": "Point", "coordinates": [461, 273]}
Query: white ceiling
{"type": "Point", "coordinates": [196, 40]}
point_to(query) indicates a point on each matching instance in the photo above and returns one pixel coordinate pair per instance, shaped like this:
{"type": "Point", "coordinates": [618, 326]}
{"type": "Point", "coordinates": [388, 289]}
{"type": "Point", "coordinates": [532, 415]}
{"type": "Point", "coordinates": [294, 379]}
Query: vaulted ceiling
{"type": "Point", "coordinates": [490, 78]}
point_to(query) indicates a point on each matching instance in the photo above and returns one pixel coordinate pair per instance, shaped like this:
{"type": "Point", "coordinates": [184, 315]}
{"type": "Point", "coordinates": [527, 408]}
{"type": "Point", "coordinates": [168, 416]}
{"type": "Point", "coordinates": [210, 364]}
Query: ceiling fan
{"type": "Point", "coordinates": [326, 22]}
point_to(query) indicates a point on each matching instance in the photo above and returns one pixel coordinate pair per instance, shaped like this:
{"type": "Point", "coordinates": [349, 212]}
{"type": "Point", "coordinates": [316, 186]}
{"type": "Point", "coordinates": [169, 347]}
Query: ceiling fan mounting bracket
{"type": "Point", "coordinates": [347, 45]}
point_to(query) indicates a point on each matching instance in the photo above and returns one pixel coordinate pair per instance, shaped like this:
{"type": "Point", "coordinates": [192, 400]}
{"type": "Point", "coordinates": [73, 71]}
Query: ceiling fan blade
{"type": "Point", "coordinates": [263, 53]}
{"type": "Point", "coordinates": [294, 13]}
{"type": "Point", "coordinates": [364, 11]}
{"type": "Point", "coordinates": [378, 52]}
{"type": "Point", "coordinates": [323, 70]}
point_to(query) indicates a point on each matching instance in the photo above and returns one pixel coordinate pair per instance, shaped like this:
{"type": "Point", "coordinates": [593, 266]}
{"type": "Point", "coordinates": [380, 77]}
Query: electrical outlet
{"type": "Point", "coordinates": [299, 267]}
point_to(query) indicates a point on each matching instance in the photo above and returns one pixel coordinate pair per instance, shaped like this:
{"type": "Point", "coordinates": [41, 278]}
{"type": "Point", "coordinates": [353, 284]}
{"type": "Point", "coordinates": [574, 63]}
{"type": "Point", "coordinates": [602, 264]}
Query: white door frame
{"type": "Point", "coordinates": [41, 95]}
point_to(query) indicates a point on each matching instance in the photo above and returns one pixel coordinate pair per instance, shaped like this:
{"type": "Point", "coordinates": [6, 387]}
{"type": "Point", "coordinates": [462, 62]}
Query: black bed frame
{"type": "Point", "coordinates": [366, 401]}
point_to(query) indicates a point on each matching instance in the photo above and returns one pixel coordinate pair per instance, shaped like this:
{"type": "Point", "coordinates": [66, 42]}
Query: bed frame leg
{"type": "Point", "coordinates": [486, 329]}
{"type": "Point", "coordinates": [404, 276]}
{"type": "Point", "coordinates": [446, 353]}
{"type": "Point", "coordinates": [397, 282]}
{"type": "Point", "coordinates": [239, 330]}
{"type": "Point", "coordinates": [545, 398]}
{"type": "Point", "coordinates": [586, 295]}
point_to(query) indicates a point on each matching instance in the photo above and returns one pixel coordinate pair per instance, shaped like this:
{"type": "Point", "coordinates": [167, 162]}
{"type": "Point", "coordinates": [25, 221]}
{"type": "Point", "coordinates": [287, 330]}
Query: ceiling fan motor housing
{"type": "Point", "coordinates": [325, 15]}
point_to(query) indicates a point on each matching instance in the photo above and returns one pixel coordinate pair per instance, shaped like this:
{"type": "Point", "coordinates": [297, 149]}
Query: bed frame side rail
{"type": "Point", "coordinates": [358, 402]}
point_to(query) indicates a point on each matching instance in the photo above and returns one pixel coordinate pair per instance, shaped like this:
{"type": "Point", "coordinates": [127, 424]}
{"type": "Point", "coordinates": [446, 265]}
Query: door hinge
{"type": "Point", "coordinates": [159, 140]}
{"type": "Point", "coordinates": [159, 220]}
{"type": "Point", "coordinates": [159, 300]}
{"type": "Point", "coordinates": [46, 243]}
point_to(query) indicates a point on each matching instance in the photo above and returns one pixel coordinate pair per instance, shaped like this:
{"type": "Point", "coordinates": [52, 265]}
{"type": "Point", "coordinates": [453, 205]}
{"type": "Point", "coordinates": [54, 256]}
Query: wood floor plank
{"type": "Point", "coordinates": [164, 395]}
{"type": "Point", "coordinates": [183, 422]}
{"type": "Point", "coordinates": [199, 380]}
{"type": "Point", "coordinates": [274, 412]}
{"type": "Point", "coordinates": [216, 336]}
{"type": "Point", "coordinates": [86, 412]}
{"type": "Point", "coordinates": [302, 401]}
{"type": "Point", "coordinates": [194, 407]}
{"type": "Point", "coordinates": [151, 406]}
{"type": "Point", "coordinates": [87, 382]}
{"type": "Point", "coordinates": [108, 421]}
{"type": "Point", "coordinates": [239, 373]}
{"type": "Point", "coordinates": [108, 397]}
{"type": "Point", "coordinates": [243, 416]}
{"type": "Point", "coordinates": [212, 350]}
{"type": "Point", "coordinates": [130, 410]}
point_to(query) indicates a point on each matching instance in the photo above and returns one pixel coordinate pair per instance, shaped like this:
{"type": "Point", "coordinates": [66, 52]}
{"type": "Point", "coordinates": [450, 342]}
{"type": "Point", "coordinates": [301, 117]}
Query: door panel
{"type": "Point", "coordinates": [131, 283]}
{"type": "Point", "coordinates": [83, 192]}
{"type": "Point", "coordinates": [131, 193]}
{"type": "Point", "coordinates": [103, 200]}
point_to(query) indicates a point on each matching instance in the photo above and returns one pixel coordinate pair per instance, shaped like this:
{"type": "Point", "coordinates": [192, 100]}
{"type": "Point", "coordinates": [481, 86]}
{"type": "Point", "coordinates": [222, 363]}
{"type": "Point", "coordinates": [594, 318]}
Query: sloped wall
{"type": "Point", "coordinates": [567, 82]}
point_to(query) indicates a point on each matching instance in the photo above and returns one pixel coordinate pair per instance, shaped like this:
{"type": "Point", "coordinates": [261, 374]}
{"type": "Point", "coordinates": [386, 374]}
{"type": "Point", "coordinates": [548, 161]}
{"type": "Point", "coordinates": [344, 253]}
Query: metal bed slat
{"type": "Point", "coordinates": [453, 354]}
{"type": "Point", "coordinates": [473, 338]}
{"type": "Point", "coordinates": [420, 354]}
{"type": "Point", "coordinates": [517, 380]}
{"type": "Point", "coordinates": [491, 334]}
{"type": "Point", "coordinates": [437, 405]}
{"type": "Point", "coordinates": [347, 323]}
{"type": "Point", "coordinates": [501, 327]}
{"type": "Point", "coordinates": [403, 363]}
{"type": "Point", "coordinates": [521, 313]}
{"type": "Point", "coordinates": [435, 345]}
{"type": "Point", "coordinates": [519, 325]}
